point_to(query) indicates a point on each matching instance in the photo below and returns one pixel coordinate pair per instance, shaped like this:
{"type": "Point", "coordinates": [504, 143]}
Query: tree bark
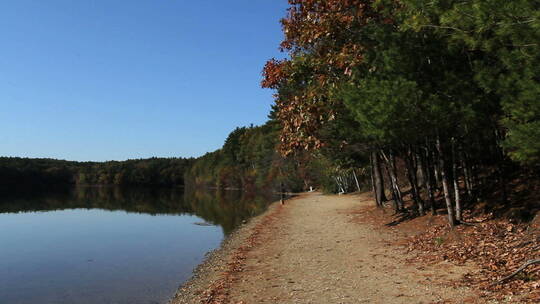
{"type": "Point", "coordinates": [436, 170]}
{"type": "Point", "coordinates": [501, 168]}
{"type": "Point", "coordinates": [372, 175]}
{"type": "Point", "coordinates": [467, 175]}
{"type": "Point", "coordinates": [415, 164]}
{"type": "Point", "coordinates": [392, 189]}
{"type": "Point", "coordinates": [339, 183]}
{"type": "Point", "coordinates": [378, 182]}
{"type": "Point", "coordinates": [396, 181]}
{"type": "Point", "coordinates": [456, 180]}
{"type": "Point", "coordinates": [413, 180]}
{"type": "Point", "coordinates": [429, 177]}
{"type": "Point", "coordinates": [426, 182]}
{"type": "Point", "coordinates": [356, 180]}
{"type": "Point", "coordinates": [395, 195]}
{"type": "Point", "coordinates": [281, 193]}
{"type": "Point", "coordinates": [446, 188]}
{"type": "Point", "coordinates": [391, 166]}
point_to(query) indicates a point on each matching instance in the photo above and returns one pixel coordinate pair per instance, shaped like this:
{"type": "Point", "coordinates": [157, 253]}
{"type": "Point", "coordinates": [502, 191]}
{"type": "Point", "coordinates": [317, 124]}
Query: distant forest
{"type": "Point", "coordinates": [244, 161]}
{"type": "Point", "coordinates": [16, 172]}
{"type": "Point", "coordinates": [248, 160]}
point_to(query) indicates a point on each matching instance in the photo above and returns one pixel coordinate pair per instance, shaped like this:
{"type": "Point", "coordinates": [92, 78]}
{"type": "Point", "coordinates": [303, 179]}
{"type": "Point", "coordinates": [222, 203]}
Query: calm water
{"type": "Point", "coordinates": [109, 245]}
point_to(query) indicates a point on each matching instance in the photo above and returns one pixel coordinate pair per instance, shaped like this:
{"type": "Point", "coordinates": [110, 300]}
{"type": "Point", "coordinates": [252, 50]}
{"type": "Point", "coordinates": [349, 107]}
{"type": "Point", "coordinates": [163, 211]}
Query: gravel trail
{"type": "Point", "coordinates": [311, 250]}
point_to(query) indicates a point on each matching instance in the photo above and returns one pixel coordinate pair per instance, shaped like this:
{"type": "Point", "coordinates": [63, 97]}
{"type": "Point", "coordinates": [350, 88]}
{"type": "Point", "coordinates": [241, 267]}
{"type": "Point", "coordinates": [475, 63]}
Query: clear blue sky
{"type": "Point", "coordinates": [117, 79]}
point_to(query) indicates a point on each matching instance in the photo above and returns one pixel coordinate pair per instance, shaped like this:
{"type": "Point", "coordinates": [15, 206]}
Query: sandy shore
{"type": "Point", "coordinates": [314, 249]}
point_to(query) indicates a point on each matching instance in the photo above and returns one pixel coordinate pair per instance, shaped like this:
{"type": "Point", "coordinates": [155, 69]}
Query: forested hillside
{"type": "Point", "coordinates": [36, 173]}
{"type": "Point", "coordinates": [248, 159]}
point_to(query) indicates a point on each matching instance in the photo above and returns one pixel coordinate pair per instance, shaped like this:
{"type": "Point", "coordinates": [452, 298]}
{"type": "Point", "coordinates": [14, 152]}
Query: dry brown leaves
{"type": "Point", "coordinates": [497, 246]}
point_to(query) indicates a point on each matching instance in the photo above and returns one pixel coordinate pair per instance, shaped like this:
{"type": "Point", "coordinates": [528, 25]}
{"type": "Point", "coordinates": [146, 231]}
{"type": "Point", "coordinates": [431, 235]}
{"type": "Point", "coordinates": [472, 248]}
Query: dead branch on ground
{"type": "Point", "coordinates": [520, 269]}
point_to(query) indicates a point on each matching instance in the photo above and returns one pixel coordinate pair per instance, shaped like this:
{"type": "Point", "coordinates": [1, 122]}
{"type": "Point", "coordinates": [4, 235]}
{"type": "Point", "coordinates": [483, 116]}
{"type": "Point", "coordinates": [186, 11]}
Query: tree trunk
{"type": "Point", "coordinates": [446, 188]}
{"type": "Point", "coordinates": [467, 175]}
{"type": "Point", "coordinates": [378, 182]}
{"type": "Point", "coordinates": [456, 180]}
{"type": "Point", "coordinates": [372, 175]}
{"type": "Point", "coordinates": [391, 166]}
{"type": "Point", "coordinates": [413, 180]}
{"type": "Point", "coordinates": [501, 168]}
{"type": "Point", "coordinates": [424, 171]}
{"type": "Point", "coordinates": [396, 181]}
{"type": "Point", "coordinates": [429, 177]}
{"type": "Point", "coordinates": [345, 179]}
{"type": "Point", "coordinates": [340, 185]}
{"type": "Point", "coordinates": [414, 172]}
{"type": "Point", "coordinates": [436, 170]}
{"type": "Point", "coordinates": [392, 189]}
{"type": "Point", "coordinates": [281, 193]}
{"type": "Point", "coordinates": [356, 180]}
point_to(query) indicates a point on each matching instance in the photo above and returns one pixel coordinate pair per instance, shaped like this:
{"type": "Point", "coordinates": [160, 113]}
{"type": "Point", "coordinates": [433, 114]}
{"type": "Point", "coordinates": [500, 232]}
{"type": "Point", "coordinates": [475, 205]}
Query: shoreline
{"type": "Point", "coordinates": [215, 262]}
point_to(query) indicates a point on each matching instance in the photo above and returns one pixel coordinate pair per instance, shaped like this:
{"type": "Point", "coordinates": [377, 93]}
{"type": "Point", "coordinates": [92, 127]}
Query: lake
{"type": "Point", "coordinates": [111, 245]}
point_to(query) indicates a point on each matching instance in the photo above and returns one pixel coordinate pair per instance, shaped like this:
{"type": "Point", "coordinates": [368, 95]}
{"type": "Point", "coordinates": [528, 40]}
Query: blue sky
{"type": "Point", "coordinates": [117, 79]}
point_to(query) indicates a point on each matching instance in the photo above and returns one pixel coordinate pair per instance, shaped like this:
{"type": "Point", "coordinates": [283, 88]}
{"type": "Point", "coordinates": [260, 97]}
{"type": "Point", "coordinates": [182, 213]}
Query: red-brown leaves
{"type": "Point", "coordinates": [309, 22]}
{"type": "Point", "coordinates": [498, 247]}
{"type": "Point", "coordinates": [301, 121]}
{"type": "Point", "coordinates": [323, 40]}
{"type": "Point", "coordinates": [274, 73]}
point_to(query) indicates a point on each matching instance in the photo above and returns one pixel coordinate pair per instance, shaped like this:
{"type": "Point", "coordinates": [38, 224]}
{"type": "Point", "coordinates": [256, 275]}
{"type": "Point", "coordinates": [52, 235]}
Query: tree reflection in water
{"type": "Point", "coordinates": [227, 209]}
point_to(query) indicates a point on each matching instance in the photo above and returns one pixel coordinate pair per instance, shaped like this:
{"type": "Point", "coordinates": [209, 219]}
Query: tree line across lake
{"type": "Point", "coordinates": [248, 160]}
{"type": "Point", "coordinates": [16, 172]}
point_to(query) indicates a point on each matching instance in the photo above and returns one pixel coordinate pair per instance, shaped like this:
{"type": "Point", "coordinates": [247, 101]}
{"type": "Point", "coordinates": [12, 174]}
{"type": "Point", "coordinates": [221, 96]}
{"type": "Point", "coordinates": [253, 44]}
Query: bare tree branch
{"type": "Point", "coordinates": [520, 269]}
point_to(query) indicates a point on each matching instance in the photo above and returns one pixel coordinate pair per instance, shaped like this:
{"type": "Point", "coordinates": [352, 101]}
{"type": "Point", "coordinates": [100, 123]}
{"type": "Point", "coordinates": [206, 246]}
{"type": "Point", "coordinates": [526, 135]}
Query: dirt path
{"type": "Point", "coordinates": [313, 251]}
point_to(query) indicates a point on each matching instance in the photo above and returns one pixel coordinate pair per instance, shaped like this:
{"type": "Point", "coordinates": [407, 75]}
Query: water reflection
{"type": "Point", "coordinates": [111, 245]}
{"type": "Point", "coordinates": [227, 208]}
{"type": "Point", "coordinates": [224, 208]}
{"type": "Point", "coordinates": [139, 200]}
